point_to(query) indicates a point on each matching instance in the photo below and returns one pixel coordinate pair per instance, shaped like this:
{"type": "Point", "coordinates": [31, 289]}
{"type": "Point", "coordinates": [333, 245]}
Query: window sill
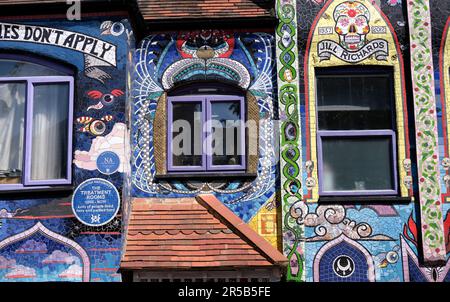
{"type": "Point", "coordinates": [208, 176]}
{"type": "Point", "coordinates": [382, 200]}
{"type": "Point", "coordinates": [47, 192]}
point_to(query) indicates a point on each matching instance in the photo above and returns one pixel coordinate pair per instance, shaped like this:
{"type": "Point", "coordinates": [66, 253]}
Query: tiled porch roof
{"type": "Point", "coordinates": [188, 233]}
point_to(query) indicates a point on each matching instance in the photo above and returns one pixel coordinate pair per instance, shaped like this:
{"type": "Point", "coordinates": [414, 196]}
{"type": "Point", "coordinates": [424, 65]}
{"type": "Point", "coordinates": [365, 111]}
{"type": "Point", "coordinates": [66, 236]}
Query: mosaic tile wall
{"type": "Point", "coordinates": [290, 137]}
{"type": "Point", "coordinates": [244, 58]}
{"type": "Point", "coordinates": [369, 242]}
{"type": "Point", "coordinates": [40, 238]}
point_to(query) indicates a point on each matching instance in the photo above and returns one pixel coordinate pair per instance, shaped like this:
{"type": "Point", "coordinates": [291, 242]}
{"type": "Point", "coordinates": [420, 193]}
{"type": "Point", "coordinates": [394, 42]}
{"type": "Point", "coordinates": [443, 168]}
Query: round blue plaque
{"type": "Point", "coordinates": [108, 162]}
{"type": "Point", "coordinates": [95, 202]}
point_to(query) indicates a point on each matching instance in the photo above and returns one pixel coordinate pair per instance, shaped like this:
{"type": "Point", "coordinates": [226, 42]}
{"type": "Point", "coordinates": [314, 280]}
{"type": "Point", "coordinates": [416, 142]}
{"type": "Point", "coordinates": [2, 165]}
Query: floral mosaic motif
{"type": "Point", "coordinates": [426, 130]}
{"type": "Point", "coordinates": [290, 146]}
{"type": "Point", "coordinates": [393, 2]}
{"type": "Point", "coordinates": [352, 24]}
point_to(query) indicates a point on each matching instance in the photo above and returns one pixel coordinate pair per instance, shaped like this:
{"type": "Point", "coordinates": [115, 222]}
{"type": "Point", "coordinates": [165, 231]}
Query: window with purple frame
{"type": "Point", "coordinates": [356, 136]}
{"type": "Point", "coordinates": [36, 100]}
{"type": "Point", "coordinates": [206, 133]}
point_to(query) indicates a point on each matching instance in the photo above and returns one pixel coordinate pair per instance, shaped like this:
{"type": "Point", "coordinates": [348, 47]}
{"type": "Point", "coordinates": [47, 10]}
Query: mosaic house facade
{"type": "Point", "coordinates": [342, 175]}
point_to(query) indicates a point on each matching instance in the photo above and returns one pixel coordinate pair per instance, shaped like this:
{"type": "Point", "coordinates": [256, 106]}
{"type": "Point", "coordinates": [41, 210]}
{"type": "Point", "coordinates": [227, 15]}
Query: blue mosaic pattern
{"type": "Point", "coordinates": [389, 223]}
{"type": "Point", "coordinates": [327, 273]}
{"type": "Point", "coordinates": [102, 245]}
{"type": "Point", "coordinates": [153, 58]}
{"type": "Point", "coordinates": [415, 275]}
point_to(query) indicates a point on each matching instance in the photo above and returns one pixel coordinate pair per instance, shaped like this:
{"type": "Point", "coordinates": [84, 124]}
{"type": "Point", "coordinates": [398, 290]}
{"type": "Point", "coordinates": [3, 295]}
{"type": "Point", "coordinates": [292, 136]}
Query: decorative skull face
{"type": "Point", "coordinates": [407, 181]}
{"type": "Point", "coordinates": [407, 164]}
{"type": "Point", "coordinates": [310, 183]}
{"type": "Point", "coordinates": [446, 163]}
{"type": "Point", "coordinates": [447, 181]}
{"type": "Point", "coordinates": [309, 165]}
{"type": "Point", "coordinates": [352, 24]}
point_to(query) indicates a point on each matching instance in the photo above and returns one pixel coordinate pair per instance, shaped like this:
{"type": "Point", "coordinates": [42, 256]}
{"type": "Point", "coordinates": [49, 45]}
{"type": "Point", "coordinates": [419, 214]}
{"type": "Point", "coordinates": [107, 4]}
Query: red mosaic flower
{"type": "Point", "coordinates": [351, 13]}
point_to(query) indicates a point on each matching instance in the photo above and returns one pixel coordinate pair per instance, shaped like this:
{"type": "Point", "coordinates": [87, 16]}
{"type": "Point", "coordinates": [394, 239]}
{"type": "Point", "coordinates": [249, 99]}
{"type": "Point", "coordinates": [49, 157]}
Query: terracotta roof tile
{"type": "Point", "coordinates": [196, 9]}
{"type": "Point", "coordinates": [190, 233]}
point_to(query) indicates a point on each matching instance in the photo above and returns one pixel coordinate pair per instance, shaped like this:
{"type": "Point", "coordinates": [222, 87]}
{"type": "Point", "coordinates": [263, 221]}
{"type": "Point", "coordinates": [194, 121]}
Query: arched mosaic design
{"type": "Point", "coordinates": [39, 254]}
{"type": "Point", "coordinates": [343, 260]}
{"type": "Point", "coordinates": [161, 62]}
{"type": "Point", "coordinates": [378, 46]}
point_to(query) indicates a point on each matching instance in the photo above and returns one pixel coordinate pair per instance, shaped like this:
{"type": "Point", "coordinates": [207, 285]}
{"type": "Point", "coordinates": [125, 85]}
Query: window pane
{"type": "Point", "coordinates": [50, 131]}
{"type": "Point", "coordinates": [354, 102]}
{"type": "Point", "coordinates": [357, 164]}
{"type": "Point", "coordinates": [12, 113]}
{"type": "Point", "coordinates": [187, 134]}
{"type": "Point", "coordinates": [12, 68]}
{"type": "Point", "coordinates": [226, 135]}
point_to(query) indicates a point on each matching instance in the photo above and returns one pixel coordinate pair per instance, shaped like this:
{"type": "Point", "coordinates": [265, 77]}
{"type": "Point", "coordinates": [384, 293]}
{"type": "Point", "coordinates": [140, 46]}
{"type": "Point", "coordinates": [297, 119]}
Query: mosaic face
{"type": "Point", "coordinates": [352, 24]}
{"type": "Point", "coordinates": [206, 44]}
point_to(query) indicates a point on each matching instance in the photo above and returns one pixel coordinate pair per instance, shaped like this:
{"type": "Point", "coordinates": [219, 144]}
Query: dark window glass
{"type": "Point", "coordinates": [356, 133]}
{"type": "Point", "coordinates": [207, 133]}
{"type": "Point", "coordinates": [12, 131]}
{"type": "Point", "coordinates": [354, 102]}
{"type": "Point", "coordinates": [12, 68]}
{"type": "Point", "coordinates": [35, 125]}
{"type": "Point", "coordinates": [226, 138]}
{"type": "Point", "coordinates": [50, 131]}
{"type": "Point", "coordinates": [357, 164]}
{"type": "Point", "coordinates": [187, 123]}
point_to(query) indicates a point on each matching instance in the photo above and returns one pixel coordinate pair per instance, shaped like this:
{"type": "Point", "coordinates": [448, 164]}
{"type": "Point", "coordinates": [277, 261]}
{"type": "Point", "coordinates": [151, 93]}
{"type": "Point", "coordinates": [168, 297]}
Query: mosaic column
{"type": "Point", "coordinates": [426, 131]}
{"type": "Point", "coordinates": [290, 136]}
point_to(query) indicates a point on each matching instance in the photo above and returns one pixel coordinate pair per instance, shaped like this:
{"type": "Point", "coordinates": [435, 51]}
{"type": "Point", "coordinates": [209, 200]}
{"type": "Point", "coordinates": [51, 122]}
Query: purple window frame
{"type": "Point", "coordinates": [364, 134]}
{"type": "Point", "coordinates": [27, 182]}
{"type": "Point", "coordinates": [207, 166]}
{"type": "Point", "coordinates": [184, 99]}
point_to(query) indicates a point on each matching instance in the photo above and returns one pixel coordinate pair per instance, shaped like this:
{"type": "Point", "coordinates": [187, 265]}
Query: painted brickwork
{"type": "Point", "coordinates": [40, 238]}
